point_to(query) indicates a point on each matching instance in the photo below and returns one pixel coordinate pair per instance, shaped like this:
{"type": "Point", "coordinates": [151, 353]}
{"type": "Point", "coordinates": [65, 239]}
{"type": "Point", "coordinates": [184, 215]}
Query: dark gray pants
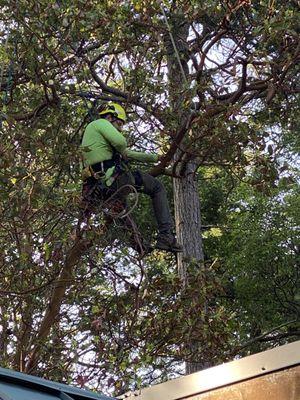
{"type": "Point", "coordinates": [151, 186]}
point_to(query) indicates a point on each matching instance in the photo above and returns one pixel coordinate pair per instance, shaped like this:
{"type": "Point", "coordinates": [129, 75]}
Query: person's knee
{"type": "Point", "coordinates": [124, 179]}
{"type": "Point", "coordinates": [153, 186]}
{"type": "Point", "coordinates": [158, 186]}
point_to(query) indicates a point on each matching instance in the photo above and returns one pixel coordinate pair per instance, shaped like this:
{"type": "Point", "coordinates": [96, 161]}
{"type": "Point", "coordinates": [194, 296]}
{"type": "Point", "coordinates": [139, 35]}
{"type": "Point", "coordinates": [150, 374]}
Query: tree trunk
{"type": "Point", "coordinates": [188, 221]}
{"type": "Point", "coordinates": [186, 195]}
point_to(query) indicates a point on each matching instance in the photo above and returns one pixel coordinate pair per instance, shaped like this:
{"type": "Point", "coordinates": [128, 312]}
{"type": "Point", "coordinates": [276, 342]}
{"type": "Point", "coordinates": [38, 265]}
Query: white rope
{"type": "Point", "coordinates": [174, 44]}
{"type": "Point", "coordinates": [126, 212]}
{"type": "Point", "coordinates": [3, 64]}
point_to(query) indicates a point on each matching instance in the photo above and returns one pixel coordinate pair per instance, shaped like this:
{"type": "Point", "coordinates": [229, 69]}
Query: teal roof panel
{"type": "Point", "coordinates": [13, 392]}
{"type": "Point", "coordinates": [19, 386]}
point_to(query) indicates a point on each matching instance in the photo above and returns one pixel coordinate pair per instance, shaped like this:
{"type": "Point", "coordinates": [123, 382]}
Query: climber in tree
{"type": "Point", "coordinates": [107, 159]}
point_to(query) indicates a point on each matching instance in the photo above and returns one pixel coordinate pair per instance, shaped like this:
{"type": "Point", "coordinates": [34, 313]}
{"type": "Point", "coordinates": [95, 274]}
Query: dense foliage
{"type": "Point", "coordinates": [219, 82]}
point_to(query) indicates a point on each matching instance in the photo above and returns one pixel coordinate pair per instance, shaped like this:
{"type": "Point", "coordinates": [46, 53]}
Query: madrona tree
{"type": "Point", "coordinates": [201, 83]}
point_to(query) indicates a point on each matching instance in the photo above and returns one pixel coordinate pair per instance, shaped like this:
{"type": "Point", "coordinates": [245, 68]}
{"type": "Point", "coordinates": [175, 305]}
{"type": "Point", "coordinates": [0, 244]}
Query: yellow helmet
{"type": "Point", "coordinates": [115, 109]}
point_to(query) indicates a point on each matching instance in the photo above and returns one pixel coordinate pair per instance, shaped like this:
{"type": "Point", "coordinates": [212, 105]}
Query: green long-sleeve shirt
{"type": "Point", "coordinates": [101, 137]}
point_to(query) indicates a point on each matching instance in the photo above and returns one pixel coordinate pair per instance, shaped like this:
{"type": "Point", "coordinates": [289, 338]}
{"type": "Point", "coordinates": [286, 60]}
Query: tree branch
{"type": "Point", "coordinates": [242, 85]}
{"type": "Point", "coordinates": [263, 337]}
{"type": "Point", "coordinates": [183, 129]}
{"type": "Point", "coordinates": [63, 282]}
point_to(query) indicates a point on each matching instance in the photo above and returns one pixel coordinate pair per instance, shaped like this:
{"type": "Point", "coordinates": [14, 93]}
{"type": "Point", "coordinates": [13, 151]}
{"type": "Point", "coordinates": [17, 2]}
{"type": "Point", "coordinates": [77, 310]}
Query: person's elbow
{"type": "Point", "coordinates": [125, 153]}
{"type": "Point", "coordinates": [120, 145]}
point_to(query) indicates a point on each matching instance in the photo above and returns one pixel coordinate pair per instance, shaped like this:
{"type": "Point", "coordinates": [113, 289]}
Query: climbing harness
{"type": "Point", "coordinates": [99, 199]}
{"type": "Point", "coordinates": [107, 170]}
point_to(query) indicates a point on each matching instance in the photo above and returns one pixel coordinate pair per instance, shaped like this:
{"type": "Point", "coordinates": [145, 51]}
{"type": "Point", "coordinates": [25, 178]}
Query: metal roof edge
{"type": "Point", "coordinates": [222, 375]}
{"type": "Point", "coordinates": [16, 377]}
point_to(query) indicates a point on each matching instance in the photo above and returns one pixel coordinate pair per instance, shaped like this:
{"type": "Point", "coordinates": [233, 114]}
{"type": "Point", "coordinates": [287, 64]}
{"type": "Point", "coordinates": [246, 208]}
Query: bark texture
{"type": "Point", "coordinates": [188, 221]}
{"type": "Point", "coordinates": [186, 194]}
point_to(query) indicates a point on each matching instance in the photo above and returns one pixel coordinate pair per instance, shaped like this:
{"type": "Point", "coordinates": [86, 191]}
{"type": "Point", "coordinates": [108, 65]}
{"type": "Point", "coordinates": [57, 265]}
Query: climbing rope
{"type": "Point", "coordinates": [113, 197]}
{"type": "Point", "coordinates": [3, 64]}
{"type": "Point", "coordinates": [105, 205]}
{"type": "Point", "coordinates": [8, 82]}
{"type": "Point", "coordinates": [113, 208]}
{"type": "Point", "coordinates": [173, 44]}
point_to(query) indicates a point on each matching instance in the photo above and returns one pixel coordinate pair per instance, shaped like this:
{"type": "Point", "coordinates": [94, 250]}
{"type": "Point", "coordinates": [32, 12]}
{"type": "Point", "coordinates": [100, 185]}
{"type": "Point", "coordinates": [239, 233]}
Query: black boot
{"type": "Point", "coordinates": [167, 241]}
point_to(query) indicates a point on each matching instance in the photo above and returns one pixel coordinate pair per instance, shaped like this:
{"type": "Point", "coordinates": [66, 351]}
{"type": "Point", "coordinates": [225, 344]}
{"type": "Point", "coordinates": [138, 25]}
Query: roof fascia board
{"type": "Point", "coordinates": [222, 375]}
